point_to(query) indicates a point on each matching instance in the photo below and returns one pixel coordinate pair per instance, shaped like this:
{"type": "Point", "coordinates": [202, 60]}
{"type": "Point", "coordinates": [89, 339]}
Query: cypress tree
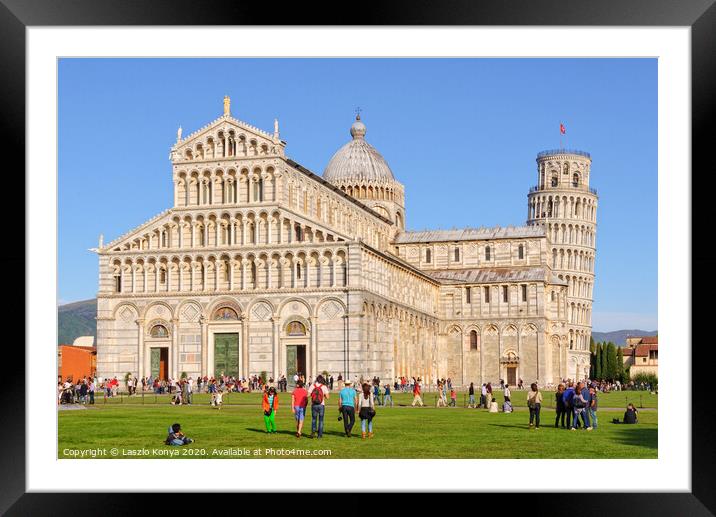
{"type": "Point", "coordinates": [620, 364]}
{"type": "Point", "coordinates": [603, 357]}
{"type": "Point", "coordinates": [598, 362]}
{"type": "Point", "coordinates": [611, 362]}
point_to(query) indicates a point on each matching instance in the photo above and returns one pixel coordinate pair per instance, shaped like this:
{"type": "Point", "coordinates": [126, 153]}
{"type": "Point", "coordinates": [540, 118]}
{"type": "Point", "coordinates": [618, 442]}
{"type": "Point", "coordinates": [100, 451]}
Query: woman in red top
{"type": "Point", "coordinates": [299, 401]}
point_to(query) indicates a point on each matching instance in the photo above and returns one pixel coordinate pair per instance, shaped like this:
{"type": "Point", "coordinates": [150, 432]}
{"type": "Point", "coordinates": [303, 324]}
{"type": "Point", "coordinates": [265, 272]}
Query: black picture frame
{"type": "Point", "coordinates": [699, 15]}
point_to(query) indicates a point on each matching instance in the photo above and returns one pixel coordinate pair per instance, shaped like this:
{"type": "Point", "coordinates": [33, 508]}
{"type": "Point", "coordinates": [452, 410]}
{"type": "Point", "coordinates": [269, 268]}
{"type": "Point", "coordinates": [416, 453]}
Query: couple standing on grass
{"type": "Point", "coordinates": [348, 401]}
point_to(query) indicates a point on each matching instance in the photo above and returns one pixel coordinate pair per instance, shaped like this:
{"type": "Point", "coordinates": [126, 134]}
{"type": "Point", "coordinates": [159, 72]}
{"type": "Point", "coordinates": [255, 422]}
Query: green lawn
{"type": "Point", "coordinates": [400, 432]}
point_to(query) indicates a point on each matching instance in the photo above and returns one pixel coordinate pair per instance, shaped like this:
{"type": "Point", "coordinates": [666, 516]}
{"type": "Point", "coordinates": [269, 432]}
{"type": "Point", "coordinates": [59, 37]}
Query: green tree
{"type": "Point", "coordinates": [620, 365]}
{"type": "Point", "coordinates": [592, 358]}
{"type": "Point", "coordinates": [603, 361]}
{"type": "Point", "coordinates": [611, 373]}
{"type": "Point", "coordinates": [598, 361]}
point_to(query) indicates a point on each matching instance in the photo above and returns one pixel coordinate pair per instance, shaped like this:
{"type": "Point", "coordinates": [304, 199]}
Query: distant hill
{"type": "Point", "coordinates": [618, 337]}
{"type": "Point", "coordinates": [75, 320]}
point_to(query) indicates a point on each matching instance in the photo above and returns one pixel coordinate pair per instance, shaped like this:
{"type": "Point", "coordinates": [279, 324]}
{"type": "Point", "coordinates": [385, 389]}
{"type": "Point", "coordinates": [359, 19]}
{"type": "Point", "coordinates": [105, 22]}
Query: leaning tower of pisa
{"type": "Point", "coordinates": [565, 204]}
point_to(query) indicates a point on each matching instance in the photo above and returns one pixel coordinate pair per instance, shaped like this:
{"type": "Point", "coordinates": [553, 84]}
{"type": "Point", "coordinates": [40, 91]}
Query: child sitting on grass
{"type": "Point", "coordinates": [176, 437]}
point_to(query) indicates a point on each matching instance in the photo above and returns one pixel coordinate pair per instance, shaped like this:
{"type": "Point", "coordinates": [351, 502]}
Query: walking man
{"type": "Point", "coordinates": [318, 393]}
{"type": "Point", "coordinates": [347, 402]}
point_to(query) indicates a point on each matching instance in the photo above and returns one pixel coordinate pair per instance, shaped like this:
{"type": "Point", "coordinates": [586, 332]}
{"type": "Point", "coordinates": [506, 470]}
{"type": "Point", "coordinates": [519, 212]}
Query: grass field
{"type": "Point", "coordinates": [237, 431]}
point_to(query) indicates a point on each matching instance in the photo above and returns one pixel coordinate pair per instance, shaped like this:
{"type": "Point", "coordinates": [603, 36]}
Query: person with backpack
{"type": "Point", "coordinates": [366, 410]}
{"type": "Point", "coordinates": [318, 393]}
{"type": "Point", "coordinates": [270, 406]}
{"type": "Point", "coordinates": [347, 402]}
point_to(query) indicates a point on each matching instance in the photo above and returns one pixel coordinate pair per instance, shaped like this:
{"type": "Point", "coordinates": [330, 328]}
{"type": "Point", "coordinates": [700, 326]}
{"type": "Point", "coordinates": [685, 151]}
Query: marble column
{"type": "Point", "coordinates": [140, 351]}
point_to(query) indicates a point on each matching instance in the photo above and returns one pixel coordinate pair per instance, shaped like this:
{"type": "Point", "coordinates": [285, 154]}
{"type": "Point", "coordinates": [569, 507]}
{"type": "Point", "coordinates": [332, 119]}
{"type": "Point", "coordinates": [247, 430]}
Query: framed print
{"type": "Point", "coordinates": [337, 268]}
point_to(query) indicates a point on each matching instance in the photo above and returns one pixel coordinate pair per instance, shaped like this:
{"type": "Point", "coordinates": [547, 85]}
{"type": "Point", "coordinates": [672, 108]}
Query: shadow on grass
{"type": "Point", "coordinates": [637, 436]}
{"type": "Point", "coordinates": [305, 435]}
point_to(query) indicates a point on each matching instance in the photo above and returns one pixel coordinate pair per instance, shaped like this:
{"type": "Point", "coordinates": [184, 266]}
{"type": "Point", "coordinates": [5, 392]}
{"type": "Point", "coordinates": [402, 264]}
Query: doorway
{"type": "Point", "coordinates": [512, 375]}
{"type": "Point", "coordinates": [226, 355]}
{"type": "Point", "coordinates": [160, 363]}
{"type": "Point", "coordinates": [295, 362]}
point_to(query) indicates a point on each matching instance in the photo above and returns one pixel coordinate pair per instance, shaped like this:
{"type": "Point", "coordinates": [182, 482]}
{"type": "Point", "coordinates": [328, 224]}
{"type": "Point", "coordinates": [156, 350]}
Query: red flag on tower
{"type": "Point", "coordinates": [562, 130]}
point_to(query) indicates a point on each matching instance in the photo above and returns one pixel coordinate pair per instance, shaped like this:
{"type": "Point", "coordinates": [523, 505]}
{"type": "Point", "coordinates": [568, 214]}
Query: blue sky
{"type": "Point", "coordinates": [460, 134]}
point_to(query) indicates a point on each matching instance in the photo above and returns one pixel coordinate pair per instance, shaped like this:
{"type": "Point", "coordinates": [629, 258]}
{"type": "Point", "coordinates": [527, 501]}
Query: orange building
{"type": "Point", "coordinates": [75, 362]}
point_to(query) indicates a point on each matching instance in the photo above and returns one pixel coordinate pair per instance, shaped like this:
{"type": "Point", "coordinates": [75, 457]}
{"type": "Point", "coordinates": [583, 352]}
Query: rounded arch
{"type": "Point", "coordinates": [329, 299]}
{"type": "Point", "coordinates": [132, 306]}
{"type": "Point", "coordinates": [225, 301]}
{"type": "Point", "coordinates": [157, 303]}
{"type": "Point", "coordinates": [292, 300]}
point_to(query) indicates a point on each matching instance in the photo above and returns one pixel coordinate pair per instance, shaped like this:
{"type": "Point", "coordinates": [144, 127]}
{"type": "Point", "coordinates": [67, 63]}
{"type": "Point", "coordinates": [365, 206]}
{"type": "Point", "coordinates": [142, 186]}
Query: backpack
{"type": "Point", "coordinates": [317, 394]}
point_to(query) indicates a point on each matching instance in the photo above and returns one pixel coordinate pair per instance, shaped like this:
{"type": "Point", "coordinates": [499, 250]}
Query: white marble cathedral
{"type": "Point", "coordinates": [262, 265]}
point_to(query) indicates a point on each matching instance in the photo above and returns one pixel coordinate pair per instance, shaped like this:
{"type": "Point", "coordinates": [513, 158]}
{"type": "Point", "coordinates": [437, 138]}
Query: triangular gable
{"type": "Point", "coordinates": [227, 123]}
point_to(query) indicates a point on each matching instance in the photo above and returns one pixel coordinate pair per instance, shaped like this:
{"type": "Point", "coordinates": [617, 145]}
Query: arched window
{"type": "Point", "coordinates": [118, 284]}
{"type": "Point", "coordinates": [575, 180]}
{"type": "Point", "coordinates": [159, 331]}
{"type": "Point", "coordinates": [298, 271]}
{"type": "Point", "coordinates": [457, 254]}
{"type": "Point", "coordinates": [253, 274]}
{"type": "Point", "coordinates": [554, 181]}
{"type": "Point", "coordinates": [521, 251]}
{"type": "Point", "coordinates": [487, 295]}
{"type": "Point", "coordinates": [225, 313]}
{"type": "Point", "coordinates": [428, 256]}
{"type": "Point", "coordinates": [487, 253]}
{"type": "Point", "coordinates": [468, 295]}
{"type": "Point", "coordinates": [473, 340]}
{"type": "Point", "coordinates": [524, 293]}
{"type": "Point", "coordinates": [162, 276]}
{"type": "Point", "coordinates": [295, 328]}
{"type": "Point", "coordinates": [299, 233]}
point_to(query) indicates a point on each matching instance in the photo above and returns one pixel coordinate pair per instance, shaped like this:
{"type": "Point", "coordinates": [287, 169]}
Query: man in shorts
{"type": "Point", "coordinates": [299, 401]}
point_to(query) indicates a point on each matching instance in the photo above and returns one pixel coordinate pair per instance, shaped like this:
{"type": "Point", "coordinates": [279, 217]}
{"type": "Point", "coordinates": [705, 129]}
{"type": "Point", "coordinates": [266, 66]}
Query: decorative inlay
{"type": "Point", "coordinates": [261, 312]}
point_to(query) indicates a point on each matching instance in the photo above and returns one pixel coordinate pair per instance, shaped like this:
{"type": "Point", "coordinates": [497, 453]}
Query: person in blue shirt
{"type": "Point", "coordinates": [387, 397]}
{"type": "Point", "coordinates": [376, 393]}
{"type": "Point", "coordinates": [567, 399]}
{"type": "Point", "coordinates": [347, 402]}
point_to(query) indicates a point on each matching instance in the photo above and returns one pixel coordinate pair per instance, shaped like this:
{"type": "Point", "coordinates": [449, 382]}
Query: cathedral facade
{"type": "Point", "coordinates": [264, 266]}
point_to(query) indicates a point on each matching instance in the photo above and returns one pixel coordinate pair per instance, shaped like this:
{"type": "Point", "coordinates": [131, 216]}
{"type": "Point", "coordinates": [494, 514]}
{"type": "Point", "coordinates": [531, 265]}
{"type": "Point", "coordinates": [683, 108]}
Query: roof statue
{"type": "Point", "coordinates": [357, 160]}
{"type": "Point", "coordinates": [179, 134]}
{"type": "Point", "coordinates": [275, 129]}
{"type": "Point", "coordinates": [227, 106]}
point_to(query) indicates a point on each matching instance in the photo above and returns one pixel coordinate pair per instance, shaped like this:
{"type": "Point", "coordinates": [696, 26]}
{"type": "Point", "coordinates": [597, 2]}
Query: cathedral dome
{"type": "Point", "coordinates": [357, 161]}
